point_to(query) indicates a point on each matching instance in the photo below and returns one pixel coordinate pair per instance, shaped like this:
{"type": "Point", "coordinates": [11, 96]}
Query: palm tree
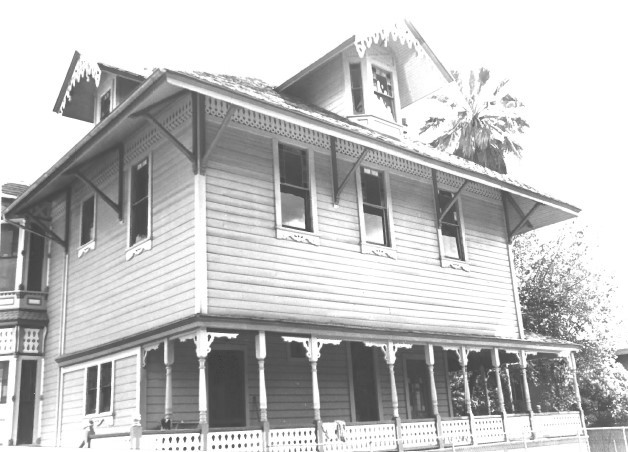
{"type": "Point", "coordinates": [481, 123]}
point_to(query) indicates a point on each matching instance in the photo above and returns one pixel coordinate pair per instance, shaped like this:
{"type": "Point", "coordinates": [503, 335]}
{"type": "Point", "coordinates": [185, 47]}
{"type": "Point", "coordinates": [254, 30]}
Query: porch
{"type": "Point", "coordinates": [257, 391]}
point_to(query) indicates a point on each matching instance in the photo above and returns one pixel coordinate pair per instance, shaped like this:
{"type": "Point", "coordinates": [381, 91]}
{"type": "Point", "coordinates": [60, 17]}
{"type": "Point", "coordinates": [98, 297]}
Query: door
{"type": "Point", "coordinates": [364, 383]}
{"type": "Point", "coordinates": [226, 394]}
{"type": "Point", "coordinates": [26, 413]}
{"type": "Point", "coordinates": [418, 388]}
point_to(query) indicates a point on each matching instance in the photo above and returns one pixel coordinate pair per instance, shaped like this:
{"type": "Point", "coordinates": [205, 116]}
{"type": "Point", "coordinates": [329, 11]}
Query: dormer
{"type": "Point", "coordinates": [91, 91]}
{"type": "Point", "coordinates": [372, 78]}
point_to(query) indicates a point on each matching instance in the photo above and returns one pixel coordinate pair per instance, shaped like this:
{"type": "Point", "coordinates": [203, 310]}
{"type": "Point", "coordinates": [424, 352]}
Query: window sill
{"type": "Point", "coordinates": [379, 250]}
{"type": "Point", "coordinates": [298, 236]}
{"type": "Point", "coordinates": [139, 248]}
{"type": "Point", "coordinates": [84, 249]}
{"type": "Point", "coordinates": [455, 264]}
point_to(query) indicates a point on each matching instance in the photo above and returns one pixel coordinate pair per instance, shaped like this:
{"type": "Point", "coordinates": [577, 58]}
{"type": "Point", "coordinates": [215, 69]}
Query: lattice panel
{"type": "Point", "coordinates": [488, 429]}
{"type": "Point", "coordinates": [558, 424]}
{"type": "Point", "coordinates": [373, 437]}
{"type": "Point", "coordinates": [292, 440]}
{"type": "Point", "coordinates": [240, 441]}
{"type": "Point", "coordinates": [172, 441]}
{"type": "Point", "coordinates": [30, 344]}
{"type": "Point", "coordinates": [456, 431]}
{"type": "Point", "coordinates": [518, 427]}
{"type": "Point", "coordinates": [7, 340]}
{"type": "Point", "coordinates": [419, 434]}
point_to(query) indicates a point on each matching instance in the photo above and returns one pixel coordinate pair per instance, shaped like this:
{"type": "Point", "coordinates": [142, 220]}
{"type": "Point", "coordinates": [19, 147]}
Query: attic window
{"type": "Point", "coordinates": [356, 88]}
{"type": "Point", "coordinates": [383, 89]}
{"type": "Point", "coordinates": [105, 105]}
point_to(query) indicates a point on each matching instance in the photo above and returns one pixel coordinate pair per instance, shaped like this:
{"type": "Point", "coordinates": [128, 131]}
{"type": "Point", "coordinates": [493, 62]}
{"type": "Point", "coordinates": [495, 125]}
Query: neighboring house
{"type": "Point", "coordinates": [622, 357]}
{"type": "Point", "coordinates": [257, 263]}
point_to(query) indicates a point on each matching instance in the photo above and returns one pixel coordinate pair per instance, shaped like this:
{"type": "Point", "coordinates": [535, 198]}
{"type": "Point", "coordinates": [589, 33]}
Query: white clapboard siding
{"type": "Point", "coordinates": [72, 408]}
{"type": "Point", "coordinates": [125, 391]}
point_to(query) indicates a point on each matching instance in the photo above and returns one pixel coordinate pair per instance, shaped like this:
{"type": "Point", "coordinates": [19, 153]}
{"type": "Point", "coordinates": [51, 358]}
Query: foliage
{"type": "Point", "coordinates": [481, 122]}
{"type": "Point", "coordinates": [564, 296]}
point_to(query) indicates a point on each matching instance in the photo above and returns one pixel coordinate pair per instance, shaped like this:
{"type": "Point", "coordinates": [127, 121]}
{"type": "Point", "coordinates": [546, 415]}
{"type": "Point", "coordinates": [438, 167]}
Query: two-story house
{"type": "Point", "coordinates": [234, 266]}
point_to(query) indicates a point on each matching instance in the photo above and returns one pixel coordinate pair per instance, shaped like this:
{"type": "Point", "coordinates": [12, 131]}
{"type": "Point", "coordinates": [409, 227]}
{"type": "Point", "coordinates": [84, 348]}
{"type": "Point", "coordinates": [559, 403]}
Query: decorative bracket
{"type": "Point", "coordinates": [146, 349]}
{"type": "Point", "coordinates": [169, 136]}
{"type": "Point", "coordinates": [312, 345]}
{"type": "Point", "coordinates": [525, 218]}
{"type": "Point", "coordinates": [389, 348]}
{"type": "Point", "coordinates": [116, 207]}
{"type": "Point", "coordinates": [452, 201]}
{"type": "Point", "coordinates": [334, 169]}
{"type": "Point", "coordinates": [204, 340]}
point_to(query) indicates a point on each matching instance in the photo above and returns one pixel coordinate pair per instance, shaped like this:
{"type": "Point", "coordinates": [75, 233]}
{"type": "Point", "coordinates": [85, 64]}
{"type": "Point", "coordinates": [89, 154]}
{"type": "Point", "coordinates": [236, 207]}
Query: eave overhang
{"type": "Point", "coordinates": [163, 83]}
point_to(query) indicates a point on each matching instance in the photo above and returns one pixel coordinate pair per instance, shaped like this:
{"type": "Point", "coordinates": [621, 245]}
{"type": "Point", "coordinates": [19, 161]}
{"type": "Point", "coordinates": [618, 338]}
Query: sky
{"type": "Point", "coordinates": [566, 60]}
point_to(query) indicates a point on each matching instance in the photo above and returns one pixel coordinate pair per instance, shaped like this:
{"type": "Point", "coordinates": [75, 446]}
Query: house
{"type": "Point", "coordinates": [240, 267]}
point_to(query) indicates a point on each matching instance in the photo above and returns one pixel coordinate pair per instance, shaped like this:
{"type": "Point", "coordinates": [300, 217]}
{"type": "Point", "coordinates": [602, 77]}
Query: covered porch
{"type": "Point", "coordinates": [269, 391]}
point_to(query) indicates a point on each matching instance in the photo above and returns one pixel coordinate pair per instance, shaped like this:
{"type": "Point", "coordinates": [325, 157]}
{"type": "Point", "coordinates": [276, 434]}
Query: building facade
{"type": "Point", "coordinates": [236, 266]}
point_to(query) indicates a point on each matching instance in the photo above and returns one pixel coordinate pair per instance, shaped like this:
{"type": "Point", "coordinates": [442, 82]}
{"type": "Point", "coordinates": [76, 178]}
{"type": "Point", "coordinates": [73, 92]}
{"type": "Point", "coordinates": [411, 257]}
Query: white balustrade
{"type": "Point", "coordinates": [237, 440]}
{"type": "Point", "coordinates": [488, 429]}
{"type": "Point", "coordinates": [419, 434]}
{"type": "Point", "coordinates": [111, 442]}
{"type": "Point", "coordinates": [557, 424]}
{"type": "Point", "coordinates": [292, 440]}
{"type": "Point", "coordinates": [172, 440]}
{"type": "Point", "coordinates": [456, 431]}
{"type": "Point", "coordinates": [518, 427]}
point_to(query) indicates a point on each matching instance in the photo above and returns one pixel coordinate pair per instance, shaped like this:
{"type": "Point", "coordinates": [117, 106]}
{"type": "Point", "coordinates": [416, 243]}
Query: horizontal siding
{"type": "Point", "coordinates": [125, 391]}
{"type": "Point", "coordinates": [157, 285]}
{"type": "Point", "coordinates": [72, 408]}
{"type": "Point", "coordinates": [253, 274]}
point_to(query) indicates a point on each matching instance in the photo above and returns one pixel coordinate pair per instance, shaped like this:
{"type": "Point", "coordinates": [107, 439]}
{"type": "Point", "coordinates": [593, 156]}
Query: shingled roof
{"type": "Point", "coordinates": [13, 190]}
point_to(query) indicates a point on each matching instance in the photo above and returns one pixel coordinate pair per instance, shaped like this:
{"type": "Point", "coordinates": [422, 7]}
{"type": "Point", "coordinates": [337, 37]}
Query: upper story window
{"type": "Point", "coordinates": [451, 228]}
{"type": "Point", "coordinates": [383, 90]}
{"type": "Point", "coordinates": [139, 205]}
{"type": "Point", "coordinates": [36, 260]}
{"type": "Point", "coordinates": [98, 383]}
{"type": "Point", "coordinates": [374, 207]}
{"type": "Point", "coordinates": [295, 188]}
{"type": "Point", "coordinates": [88, 217]}
{"type": "Point", "coordinates": [357, 94]}
{"type": "Point", "coordinates": [9, 238]}
{"type": "Point", "coordinates": [105, 104]}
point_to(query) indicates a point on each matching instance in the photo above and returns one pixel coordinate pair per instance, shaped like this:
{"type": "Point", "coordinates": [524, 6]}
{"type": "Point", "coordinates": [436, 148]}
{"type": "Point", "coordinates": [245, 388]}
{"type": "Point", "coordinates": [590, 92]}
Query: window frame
{"type": "Point", "coordinates": [447, 261]}
{"type": "Point", "coordinates": [4, 381]}
{"type": "Point", "coordinates": [83, 248]}
{"type": "Point", "coordinates": [98, 365]}
{"type": "Point", "coordinates": [413, 356]}
{"type": "Point", "coordinates": [284, 232]}
{"type": "Point", "coordinates": [145, 243]}
{"type": "Point", "coordinates": [107, 84]}
{"type": "Point", "coordinates": [373, 248]}
{"type": "Point", "coordinates": [18, 258]}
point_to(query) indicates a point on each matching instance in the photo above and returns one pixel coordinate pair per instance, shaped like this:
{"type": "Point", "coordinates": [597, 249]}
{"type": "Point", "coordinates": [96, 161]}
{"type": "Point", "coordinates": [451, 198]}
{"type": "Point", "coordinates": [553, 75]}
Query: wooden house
{"type": "Point", "coordinates": [233, 266]}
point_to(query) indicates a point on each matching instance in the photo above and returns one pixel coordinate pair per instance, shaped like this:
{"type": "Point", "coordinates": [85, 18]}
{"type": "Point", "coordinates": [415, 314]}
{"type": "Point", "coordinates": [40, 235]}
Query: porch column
{"type": "Point", "coordinates": [509, 387]}
{"type": "Point", "coordinates": [203, 340]}
{"type": "Point", "coordinates": [523, 362]}
{"type": "Point", "coordinates": [168, 362]}
{"type": "Point", "coordinates": [429, 361]}
{"type": "Point", "coordinates": [496, 368]}
{"type": "Point", "coordinates": [571, 361]}
{"type": "Point", "coordinates": [260, 354]}
{"type": "Point", "coordinates": [463, 357]}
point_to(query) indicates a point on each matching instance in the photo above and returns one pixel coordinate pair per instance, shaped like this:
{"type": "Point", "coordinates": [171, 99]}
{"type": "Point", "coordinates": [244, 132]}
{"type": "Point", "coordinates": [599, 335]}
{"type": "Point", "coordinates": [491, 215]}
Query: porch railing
{"type": "Point", "coordinates": [371, 437]}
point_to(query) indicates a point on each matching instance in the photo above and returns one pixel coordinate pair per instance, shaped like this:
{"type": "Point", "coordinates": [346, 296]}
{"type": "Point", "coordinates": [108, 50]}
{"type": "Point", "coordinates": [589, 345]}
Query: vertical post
{"type": "Point", "coordinates": [571, 360]}
{"type": "Point", "coordinates": [429, 361]}
{"type": "Point", "coordinates": [462, 355]}
{"type": "Point", "coordinates": [168, 362]}
{"type": "Point", "coordinates": [121, 182]}
{"type": "Point", "coordinates": [509, 388]}
{"type": "Point", "coordinates": [523, 363]}
{"type": "Point", "coordinates": [334, 169]}
{"type": "Point", "coordinates": [260, 354]}
{"type": "Point", "coordinates": [135, 435]}
{"type": "Point", "coordinates": [497, 367]}
{"type": "Point", "coordinates": [313, 352]}
{"type": "Point", "coordinates": [203, 346]}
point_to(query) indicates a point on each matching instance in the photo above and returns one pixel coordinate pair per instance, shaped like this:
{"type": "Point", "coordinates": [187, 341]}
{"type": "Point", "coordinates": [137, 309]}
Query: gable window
{"type": "Point", "coordinates": [105, 105]}
{"type": "Point", "coordinates": [452, 244]}
{"type": "Point", "coordinates": [357, 94]}
{"type": "Point", "coordinates": [98, 383]}
{"type": "Point", "coordinates": [383, 90]}
{"type": "Point", "coordinates": [88, 211]}
{"type": "Point", "coordinates": [139, 208]}
{"type": "Point", "coordinates": [376, 226]}
{"type": "Point", "coordinates": [9, 237]}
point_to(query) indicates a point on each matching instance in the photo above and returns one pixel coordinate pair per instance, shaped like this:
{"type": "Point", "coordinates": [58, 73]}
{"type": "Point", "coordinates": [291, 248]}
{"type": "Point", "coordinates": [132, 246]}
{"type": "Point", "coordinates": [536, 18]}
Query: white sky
{"type": "Point", "coordinates": [566, 59]}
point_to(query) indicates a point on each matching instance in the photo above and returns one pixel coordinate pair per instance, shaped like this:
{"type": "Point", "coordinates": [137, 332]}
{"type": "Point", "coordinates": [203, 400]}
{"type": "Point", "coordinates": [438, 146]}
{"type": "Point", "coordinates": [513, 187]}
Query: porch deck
{"type": "Point", "coordinates": [422, 434]}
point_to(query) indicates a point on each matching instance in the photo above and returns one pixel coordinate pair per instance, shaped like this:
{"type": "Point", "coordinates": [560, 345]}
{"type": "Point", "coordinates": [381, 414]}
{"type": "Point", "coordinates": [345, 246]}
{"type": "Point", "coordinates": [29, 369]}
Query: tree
{"type": "Point", "coordinates": [565, 297]}
{"type": "Point", "coordinates": [481, 121]}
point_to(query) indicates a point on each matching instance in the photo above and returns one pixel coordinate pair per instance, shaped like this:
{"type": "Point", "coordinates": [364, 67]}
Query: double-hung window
{"type": "Point", "coordinates": [451, 229]}
{"type": "Point", "coordinates": [357, 94]}
{"type": "Point", "coordinates": [87, 234]}
{"type": "Point", "coordinates": [105, 105]}
{"type": "Point", "coordinates": [98, 384]}
{"type": "Point", "coordinates": [9, 238]}
{"type": "Point", "coordinates": [383, 90]}
{"type": "Point", "coordinates": [139, 218]}
{"type": "Point", "coordinates": [374, 207]}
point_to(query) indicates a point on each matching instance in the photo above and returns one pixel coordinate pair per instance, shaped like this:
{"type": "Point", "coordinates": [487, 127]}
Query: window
{"type": "Point", "coordinates": [418, 394]}
{"type": "Point", "coordinates": [105, 105]}
{"type": "Point", "coordinates": [36, 259]}
{"type": "Point", "coordinates": [376, 225]}
{"type": "Point", "coordinates": [383, 89]}
{"type": "Point", "coordinates": [452, 246]}
{"type": "Point", "coordinates": [88, 210]}
{"type": "Point", "coordinates": [295, 191]}
{"type": "Point", "coordinates": [4, 380]}
{"type": "Point", "coordinates": [139, 209]}
{"type": "Point", "coordinates": [98, 389]}
{"type": "Point", "coordinates": [9, 238]}
{"type": "Point", "coordinates": [357, 95]}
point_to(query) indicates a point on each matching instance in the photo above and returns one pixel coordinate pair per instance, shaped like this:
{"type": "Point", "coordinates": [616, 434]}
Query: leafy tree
{"type": "Point", "coordinates": [481, 122]}
{"type": "Point", "coordinates": [564, 296]}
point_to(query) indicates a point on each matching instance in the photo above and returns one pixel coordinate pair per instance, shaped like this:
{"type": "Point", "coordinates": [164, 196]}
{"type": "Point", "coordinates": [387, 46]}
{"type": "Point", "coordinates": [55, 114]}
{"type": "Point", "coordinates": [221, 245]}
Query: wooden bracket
{"type": "Point", "coordinates": [169, 136]}
{"type": "Point", "coordinates": [157, 105]}
{"type": "Point", "coordinates": [198, 131]}
{"type": "Point", "coordinates": [524, 220]}
{"type": "Point", "coordinates": [115, 206]}
{"type": "Point", "coordinates": [334, 170]}
{"type": "Point", "coordinates": [508, 199]}
{"type": "Point", "coordinates": [451, 202]}
{"type": "Point", "coordinates": [221, 131]}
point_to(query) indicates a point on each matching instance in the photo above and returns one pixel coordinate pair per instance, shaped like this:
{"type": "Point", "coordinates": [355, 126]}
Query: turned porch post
{"type": "Point", "coordinates": [429, 361]}
{"type": "Point", "coordinates": [496, 368]}
{"type": "Point", "coordinates": [260, 354]}
{"type": "Point", "coordinates": [464, 360]}
{"type": "Point", "coordinates": [168, 362]}
{"type": "Point", "coordinates": [571, 361]}
{"type": "Point", "coordinates": [509, 387]}
{"type": "Point", "coordinates": [523, 362]}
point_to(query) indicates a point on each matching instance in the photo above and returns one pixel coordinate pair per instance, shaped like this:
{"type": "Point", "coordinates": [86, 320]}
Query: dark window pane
{"type": "Point", "coordinates": [356, 88]}
{"type": "Point", "coordinates": [8, 245]}
{"type": "Point", "coordinates": [36, 247]}
{"type": "Point", "coordinates": [139, 202]}
{"type": "Point", "coordinates": [452, 214]}
{"type": "Point", "coordinates": [293, 211]}
{"type": "Point", "coordinates": [92, 390]}
{"type": "Point", "coordinates": [375, 225]}
{"type": "Point", "coordinates": [418, 388]}
{"type": "Point", "coordinates": [105, 105]}
{"type": "Point", "coordinates": [4, 380]}
{"type": "Point", "coordinates": [140, 181]}
{"type": "Point", "coordinates": [372, 188]}
{"type": "Point", "coordinates": [293, 167]}
{"type": "Point", "coordinates": [87, 221]}
{"type": "Point", "coordinates": [382, 86]}
{"type": "Point", "coordinates": [364, 383]}
{"type": "Point", "coordinates": [105, 388]}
